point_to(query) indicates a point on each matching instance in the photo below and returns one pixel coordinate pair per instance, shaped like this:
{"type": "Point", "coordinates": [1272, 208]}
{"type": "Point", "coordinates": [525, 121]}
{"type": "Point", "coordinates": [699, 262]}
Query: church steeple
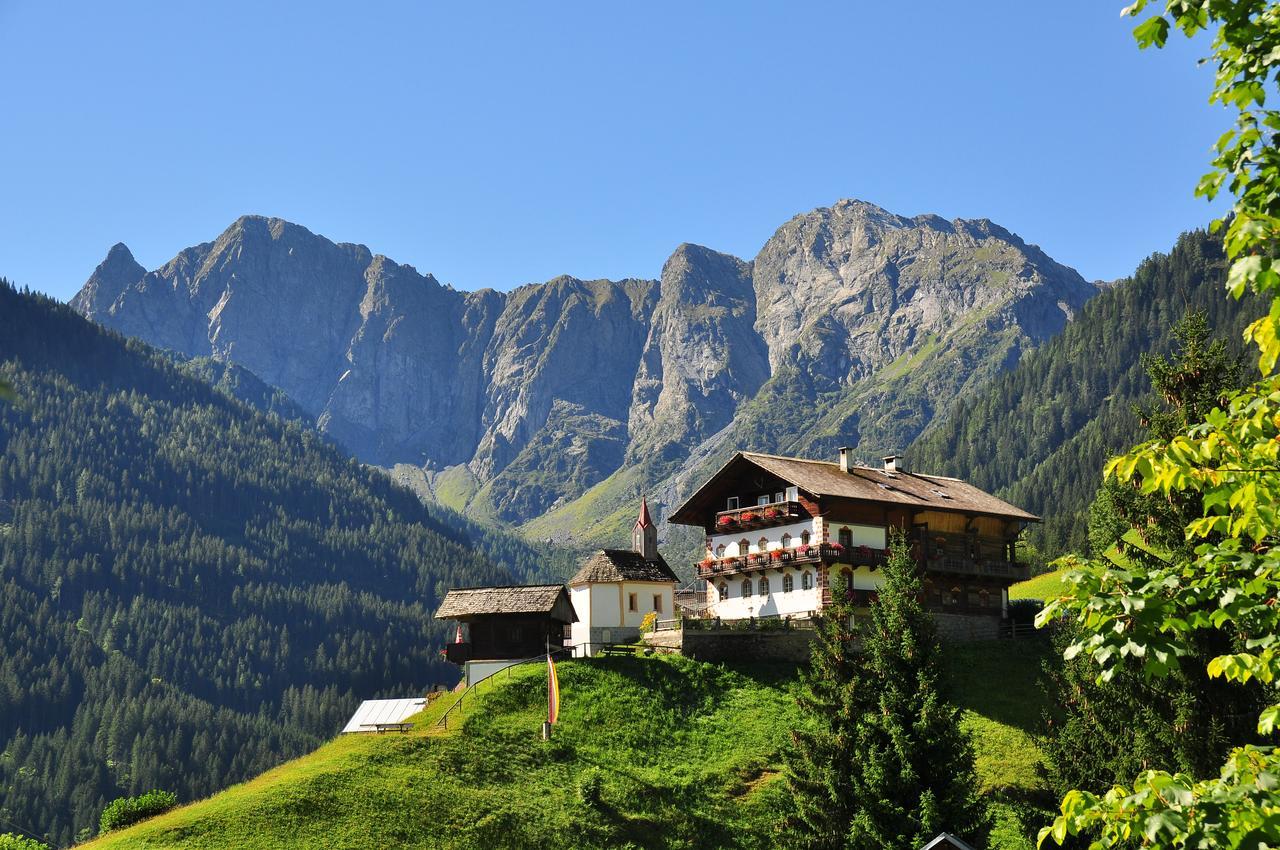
{"type": "Point", "coordinates": [644, 537]}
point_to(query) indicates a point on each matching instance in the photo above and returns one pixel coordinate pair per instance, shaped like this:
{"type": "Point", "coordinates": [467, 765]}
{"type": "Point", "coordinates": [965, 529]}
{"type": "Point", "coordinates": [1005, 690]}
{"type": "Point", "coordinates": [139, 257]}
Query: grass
{"type": "Point", "coordinates": [1046, 586]}
{"type": "Point", "coordinates": [649, 752]}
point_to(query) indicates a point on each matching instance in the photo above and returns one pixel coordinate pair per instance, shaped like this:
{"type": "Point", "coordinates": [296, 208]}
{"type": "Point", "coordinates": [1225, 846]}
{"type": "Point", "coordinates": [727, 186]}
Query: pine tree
{"type": "Point", "coordinates": [821, 758]}
{"type": "Point", "coordinates": [914, 774]}
{"type": "Point", "coordinates": [883, 763]}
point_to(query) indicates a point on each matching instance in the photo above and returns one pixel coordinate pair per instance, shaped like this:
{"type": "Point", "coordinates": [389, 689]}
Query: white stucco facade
{"type": "Point", "coordinates": [611, 612]}
{"type": "Point", "coordinates": [728, 601]}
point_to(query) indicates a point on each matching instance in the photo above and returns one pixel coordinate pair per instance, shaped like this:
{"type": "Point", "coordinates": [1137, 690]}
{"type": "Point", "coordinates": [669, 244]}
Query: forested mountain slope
{"type": "Point", "coordinates": [1038, 435]}
{"type": "Point", "coordinates": [191, 590]}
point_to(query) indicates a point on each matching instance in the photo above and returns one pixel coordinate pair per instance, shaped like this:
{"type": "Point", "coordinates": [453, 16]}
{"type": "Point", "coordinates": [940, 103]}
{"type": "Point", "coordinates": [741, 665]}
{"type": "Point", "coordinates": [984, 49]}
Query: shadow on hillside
{"type": "Point", "coordinates": [1000, 680]}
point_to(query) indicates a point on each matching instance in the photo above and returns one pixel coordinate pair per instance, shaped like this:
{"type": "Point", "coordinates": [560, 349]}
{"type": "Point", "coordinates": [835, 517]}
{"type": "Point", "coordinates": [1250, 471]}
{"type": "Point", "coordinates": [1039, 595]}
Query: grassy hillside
{"type": "Point", "coordinates": [1046, 586]}
{"type": "Point", "coordinates": [650, 752]}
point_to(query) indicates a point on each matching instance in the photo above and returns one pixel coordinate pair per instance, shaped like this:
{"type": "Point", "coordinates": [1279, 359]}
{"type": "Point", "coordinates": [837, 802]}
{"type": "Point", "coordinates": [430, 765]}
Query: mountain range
{"type": "Point", "coordinates": [553, 405]}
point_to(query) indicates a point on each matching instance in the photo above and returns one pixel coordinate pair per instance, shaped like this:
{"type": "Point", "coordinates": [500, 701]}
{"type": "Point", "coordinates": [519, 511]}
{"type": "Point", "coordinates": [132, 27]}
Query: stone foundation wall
{"type": "Point", "coordinates": [775, 645]}
{"type": "Point", "coordinates": [959, 628]}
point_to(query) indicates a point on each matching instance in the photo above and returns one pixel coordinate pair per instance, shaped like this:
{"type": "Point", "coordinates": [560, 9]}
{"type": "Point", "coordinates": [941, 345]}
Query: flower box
{"type": "Point", "coordinates": [770, 513]}
{"type": "Point", "coordinates": [725, 520]}
{"type": "Point", "coordinates": [775, 555]}
{"type": "Point", "coordinates": [748, 517]}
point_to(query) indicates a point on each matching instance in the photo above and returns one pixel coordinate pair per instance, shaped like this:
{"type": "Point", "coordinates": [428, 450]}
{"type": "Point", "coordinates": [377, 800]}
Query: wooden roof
{"type": "Point", "coordinates": [622, 565]}
{"type": "Point", "coordinates": [947, 841]}
{"type": "Point", "coordinates": [825, 478]}
{"type": "Point", "coordinates": [550, 599]}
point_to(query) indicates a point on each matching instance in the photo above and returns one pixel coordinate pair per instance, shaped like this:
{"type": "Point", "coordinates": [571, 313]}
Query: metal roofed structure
{"type": "Point", "coordinates": [373, 713]}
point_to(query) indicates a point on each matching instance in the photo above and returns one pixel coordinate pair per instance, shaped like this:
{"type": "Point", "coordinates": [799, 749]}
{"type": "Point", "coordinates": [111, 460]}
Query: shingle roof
{"type": "Point", "coordinates": [824, 478]}
{"type": "Point", "coordinates": [520, 599]}
{"type": "Point", "coordinates": [622, 565]}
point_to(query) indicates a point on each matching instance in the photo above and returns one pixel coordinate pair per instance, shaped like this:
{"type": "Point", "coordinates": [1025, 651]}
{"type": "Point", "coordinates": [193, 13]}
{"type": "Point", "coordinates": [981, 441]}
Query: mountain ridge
{"type": "Point", "coordinates": [516, 404]}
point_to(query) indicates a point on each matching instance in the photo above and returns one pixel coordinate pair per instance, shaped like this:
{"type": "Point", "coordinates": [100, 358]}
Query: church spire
{"type": "Point", "coordinates": [644, 537]}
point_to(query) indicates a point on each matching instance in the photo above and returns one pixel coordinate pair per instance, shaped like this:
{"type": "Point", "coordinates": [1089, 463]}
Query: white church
{"type": "Point", "coordinates": [617, 588]}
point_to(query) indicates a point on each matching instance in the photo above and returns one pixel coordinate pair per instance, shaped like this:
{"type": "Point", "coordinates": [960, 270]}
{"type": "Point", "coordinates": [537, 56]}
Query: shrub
{"type": "Point", "coordinates": [591, 788]}
{"type": "Point", "coordinates": [10, 841]}
{"type": "Point", "coordinates": [127, 811]}
{"type": "Point", "coordinates": [649, 623]}
{"type": "Point", "coordinates": [1024, 610]}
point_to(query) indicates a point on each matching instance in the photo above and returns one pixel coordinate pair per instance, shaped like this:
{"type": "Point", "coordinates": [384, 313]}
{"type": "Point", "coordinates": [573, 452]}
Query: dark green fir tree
{"type": "Point", "coordinates": [822, 755]}
{"type": "Point", "coordinates": [884, 764]}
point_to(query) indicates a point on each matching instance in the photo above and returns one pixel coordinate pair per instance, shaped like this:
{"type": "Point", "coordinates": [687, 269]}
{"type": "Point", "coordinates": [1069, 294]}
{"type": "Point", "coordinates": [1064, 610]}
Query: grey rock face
{"type": "Point", "coordinates": [850, 324]}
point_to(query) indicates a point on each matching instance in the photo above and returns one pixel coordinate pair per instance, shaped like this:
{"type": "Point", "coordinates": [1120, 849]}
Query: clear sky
{"type": "Point", "coordinates": [497, 144]}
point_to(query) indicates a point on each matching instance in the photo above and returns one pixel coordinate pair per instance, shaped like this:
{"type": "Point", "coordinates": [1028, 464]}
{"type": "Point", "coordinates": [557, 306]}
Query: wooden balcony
{"type": "Point", "coordinates": [771, 560]}
{"type": "Point", "coordinates": [758, 516]}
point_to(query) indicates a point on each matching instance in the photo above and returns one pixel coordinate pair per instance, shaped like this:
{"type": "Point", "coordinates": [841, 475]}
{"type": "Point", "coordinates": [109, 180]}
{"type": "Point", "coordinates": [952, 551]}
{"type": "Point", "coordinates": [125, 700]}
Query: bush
{"type": "Point", "coordinates": [591, 788]}
{"type": "Point", "coordinates": [9, 841]}
{"type": "Point", "coordinates": [649, 623]}
{"type": "Point", "coordinates": [1024, 610]}
{"type": "Point", "coordinates": [127, 811]}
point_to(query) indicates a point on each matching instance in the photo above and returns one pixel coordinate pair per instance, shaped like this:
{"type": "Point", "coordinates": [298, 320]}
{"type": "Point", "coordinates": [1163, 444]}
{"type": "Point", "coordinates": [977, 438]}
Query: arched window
{"type": "Point", "coordinates": [720, 551]}
{"type": "Point", "coordinates": [724, 590]}
{"type": "Point", "coordinates": [746, 587]}
{"type": "Point", "coordinates": [806, 581]}
{"type": "Point", "coordinates": [744, 546]}
{"type": "Point", "coordinates": [788, 583]}
{"type": "Point", "coordinates": [764, 586]}
{"type": "Point", "coordinates": [804, 538]}
{"type": "Point", "coordinates": [763, 544]}
{"type": "Point", "coordinates": [786, 541]}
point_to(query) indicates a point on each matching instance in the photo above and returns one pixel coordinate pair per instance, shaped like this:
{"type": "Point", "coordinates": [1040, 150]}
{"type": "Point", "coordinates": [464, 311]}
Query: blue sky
{"type": "Point", "coordinates": [498, 144]}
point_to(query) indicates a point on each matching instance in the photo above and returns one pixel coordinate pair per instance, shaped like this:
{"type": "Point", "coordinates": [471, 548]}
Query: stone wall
{"type": "Point", "coordinates": [724, 645]}
{"type": "Point", "coordinates": [959, 628]}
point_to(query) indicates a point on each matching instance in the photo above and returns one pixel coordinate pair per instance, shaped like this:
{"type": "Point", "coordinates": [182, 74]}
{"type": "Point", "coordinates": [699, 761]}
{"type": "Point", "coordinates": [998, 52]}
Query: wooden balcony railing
{"type": "Point", "coordinates": [759, 516]}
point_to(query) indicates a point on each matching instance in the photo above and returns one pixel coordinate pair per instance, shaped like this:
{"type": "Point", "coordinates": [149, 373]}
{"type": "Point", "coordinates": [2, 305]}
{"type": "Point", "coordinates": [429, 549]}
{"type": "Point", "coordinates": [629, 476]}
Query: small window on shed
{"type": "Point", "coordinates": [788, 583]}
{"type": "Point", "coordinates": [657, 602]}
{"type": "Point", "coordinates": [746, 587]}
{"type": "Point", "coordinates": [633, 602]}
{"type": "Point", "coordinates": [806, 580]}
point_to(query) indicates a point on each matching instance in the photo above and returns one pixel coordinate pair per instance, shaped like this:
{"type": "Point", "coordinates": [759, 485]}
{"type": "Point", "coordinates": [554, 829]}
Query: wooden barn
{"type": "Point", "coordinates": [505, 623]}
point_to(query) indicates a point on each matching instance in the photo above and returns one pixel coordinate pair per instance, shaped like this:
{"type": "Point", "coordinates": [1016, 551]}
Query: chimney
{"type": "Point", "coordinates": [844, 458]}
{"type": "Point", "coordinates": [894, 463]}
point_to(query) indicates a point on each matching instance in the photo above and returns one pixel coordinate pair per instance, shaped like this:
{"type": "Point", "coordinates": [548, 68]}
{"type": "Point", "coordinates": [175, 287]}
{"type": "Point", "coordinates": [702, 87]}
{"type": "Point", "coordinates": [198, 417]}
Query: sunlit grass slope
{"type": "Point", "coordinates": [649, 752]}
{"type": "Point", "coordinates": [1046, 586]}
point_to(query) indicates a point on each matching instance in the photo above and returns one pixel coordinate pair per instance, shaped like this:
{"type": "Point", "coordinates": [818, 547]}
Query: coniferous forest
{"type": "Point", "coordinates": [193, 589]}
{"type": "Point", "coordinates": [1039, 434]}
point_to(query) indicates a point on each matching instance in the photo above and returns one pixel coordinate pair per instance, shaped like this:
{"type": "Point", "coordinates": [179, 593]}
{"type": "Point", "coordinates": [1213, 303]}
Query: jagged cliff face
{"type": "Point", "coordinates": [852, 325]}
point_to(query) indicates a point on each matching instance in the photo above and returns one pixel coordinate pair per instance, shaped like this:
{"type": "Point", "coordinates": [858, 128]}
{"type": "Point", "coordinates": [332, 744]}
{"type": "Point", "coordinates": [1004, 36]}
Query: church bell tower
{"type": "Point", "coordinates": [644, 537]}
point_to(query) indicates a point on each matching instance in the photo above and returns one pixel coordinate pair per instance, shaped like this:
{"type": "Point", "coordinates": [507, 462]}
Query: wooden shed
{"type": "Point", "coordinates": [512, 622]}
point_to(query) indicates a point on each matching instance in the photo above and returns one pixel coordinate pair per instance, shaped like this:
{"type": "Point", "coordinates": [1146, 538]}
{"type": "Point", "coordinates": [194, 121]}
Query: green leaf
{"type": "Point", "coordinates": [1152, 31]}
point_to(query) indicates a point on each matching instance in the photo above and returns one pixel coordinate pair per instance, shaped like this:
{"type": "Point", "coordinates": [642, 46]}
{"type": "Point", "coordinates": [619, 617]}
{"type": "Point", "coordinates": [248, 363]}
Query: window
{"type": "Point", "coordinates": [777, 497]}
{"type": "Point", "coordinates": [806, 581]}
{"type": "Point", "coordinates": [762, 544]}
{"type": "Point", "coordinates": [744, 546]}
{"type": "Point", "coordinates": [764, 586]}
{"type": "Point", "coordinates": [846, 538]}
{"type": "Point", "coordinates": [657, 602]}
{"type": "Point", "coordinates": [633, 603]}
{"type": "Point", "coordinates": [731, 504]}
{"type": "Point", "coordinates": [792, 494]}
{"type": "Point", "coordinates": [804, 538]}
{"type": "Point", "coordinates": [746, 587]}
{"type": "Point", "coordinates": [724, 590]}
{"type": "Point", "coordinates": [786, 541]}
{"type": "Point", "coordinates": [788, 583]}
{"type": "Point", "coordinates": [720, 551]}
{"type": "Point", "coordinates": [762, 500]}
